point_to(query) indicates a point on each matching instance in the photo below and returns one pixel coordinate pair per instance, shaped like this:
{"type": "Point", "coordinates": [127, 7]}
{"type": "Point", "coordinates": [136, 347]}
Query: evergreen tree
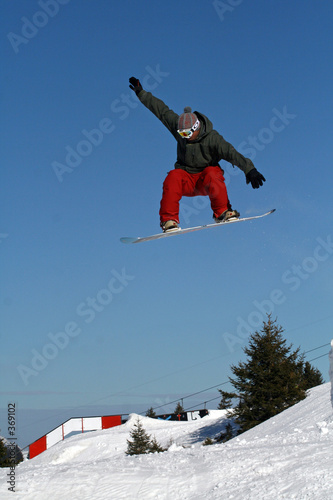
{"type": "Point", "coordinates": [311, 376]}
{"type": "Point", "coordinates": [155, 447]}
{"type": "Point", "coordinates": [271, 380]}
{"type": "Point", "coordinates": [226, 398]}
{"type": "Point", "coordinates": [9, 457]}
{"type": "Point", "coordinates": [179, 408]}
{"type": "Point", "coordinates": [227, 434]}
{"type": "Point", "coordinates": [150, 413]}
{"type": "Point", "coordinates": [140, 440]}
{"type": "Point", "coordinates": [3, 453]}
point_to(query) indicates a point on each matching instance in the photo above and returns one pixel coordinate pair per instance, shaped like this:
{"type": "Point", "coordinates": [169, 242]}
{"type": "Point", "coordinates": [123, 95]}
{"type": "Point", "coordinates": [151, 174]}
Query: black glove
{"type": "Point", "coordinates": [255, 178]}
{"type": "Point", "coordinates": [135, 85]}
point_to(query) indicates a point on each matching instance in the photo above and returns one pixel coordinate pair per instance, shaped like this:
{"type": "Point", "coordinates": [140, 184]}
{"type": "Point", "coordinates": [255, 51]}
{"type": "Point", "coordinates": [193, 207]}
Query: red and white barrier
{"type": "Point", "coordinates": [81, 424]}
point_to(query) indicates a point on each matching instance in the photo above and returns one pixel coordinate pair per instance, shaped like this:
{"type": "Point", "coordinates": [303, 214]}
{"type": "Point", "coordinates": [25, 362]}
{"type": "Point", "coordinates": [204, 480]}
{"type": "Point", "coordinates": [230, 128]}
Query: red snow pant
{"type": "Point", "coordinates": [179, 183]}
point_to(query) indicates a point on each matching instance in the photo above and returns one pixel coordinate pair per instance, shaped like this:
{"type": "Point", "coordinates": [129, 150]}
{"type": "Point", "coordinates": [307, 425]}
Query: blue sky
{"type": "Point", "coordinates": [90, 325]}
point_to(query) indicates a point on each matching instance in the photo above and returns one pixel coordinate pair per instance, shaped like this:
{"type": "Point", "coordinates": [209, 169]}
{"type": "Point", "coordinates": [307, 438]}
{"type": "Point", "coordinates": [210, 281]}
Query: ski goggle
{"type": "Point", "coordinates": [188, 132]}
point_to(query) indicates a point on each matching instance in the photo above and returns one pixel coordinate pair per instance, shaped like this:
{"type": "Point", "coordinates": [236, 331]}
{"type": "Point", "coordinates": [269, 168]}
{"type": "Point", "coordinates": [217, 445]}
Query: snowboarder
{"type": "Point", "coordinates": [197, 171]}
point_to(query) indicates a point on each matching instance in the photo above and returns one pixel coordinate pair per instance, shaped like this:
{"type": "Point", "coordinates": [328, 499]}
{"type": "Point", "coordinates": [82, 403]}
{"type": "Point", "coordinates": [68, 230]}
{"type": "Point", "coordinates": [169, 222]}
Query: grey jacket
{"type": "Point", "coordinates": [209, 147]}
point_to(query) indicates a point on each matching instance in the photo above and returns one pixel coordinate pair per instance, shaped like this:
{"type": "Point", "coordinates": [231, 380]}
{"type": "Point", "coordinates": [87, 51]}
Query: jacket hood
{"type": "Point", "coordinates": [206, 125]}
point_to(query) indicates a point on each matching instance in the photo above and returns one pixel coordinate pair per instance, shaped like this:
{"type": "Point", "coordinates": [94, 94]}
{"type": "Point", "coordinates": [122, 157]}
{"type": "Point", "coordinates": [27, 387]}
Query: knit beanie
{"type": "Point", "coordinates": [187, 119]}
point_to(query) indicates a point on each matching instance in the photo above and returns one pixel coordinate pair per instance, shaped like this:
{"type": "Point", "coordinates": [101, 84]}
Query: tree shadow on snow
{"type": "Point", "coordinates": [212, 431]}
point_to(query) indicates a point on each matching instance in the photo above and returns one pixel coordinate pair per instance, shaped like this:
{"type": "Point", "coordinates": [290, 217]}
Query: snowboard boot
{"type": "Point", "coordinates": [227, 215]}
{"type": "Point", "coordinates": [169, 225]}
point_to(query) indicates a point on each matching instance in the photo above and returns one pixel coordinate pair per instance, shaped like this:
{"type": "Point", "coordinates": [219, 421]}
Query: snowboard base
{"type": "Point", "coordinates": [178, 232]}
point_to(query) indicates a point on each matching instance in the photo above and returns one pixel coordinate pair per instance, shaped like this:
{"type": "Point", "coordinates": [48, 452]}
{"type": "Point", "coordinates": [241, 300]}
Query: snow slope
{"type": "Point", "coordinates": [287, 457]}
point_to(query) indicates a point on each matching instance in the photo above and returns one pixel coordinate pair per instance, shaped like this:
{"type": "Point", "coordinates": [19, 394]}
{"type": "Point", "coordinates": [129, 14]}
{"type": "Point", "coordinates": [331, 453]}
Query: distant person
{"type": "Point", "coordinates": [197, 171]}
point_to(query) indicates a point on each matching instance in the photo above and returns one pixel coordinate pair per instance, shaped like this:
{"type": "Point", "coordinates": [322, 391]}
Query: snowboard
{"type": "Point", "coordinates": [178, 232]}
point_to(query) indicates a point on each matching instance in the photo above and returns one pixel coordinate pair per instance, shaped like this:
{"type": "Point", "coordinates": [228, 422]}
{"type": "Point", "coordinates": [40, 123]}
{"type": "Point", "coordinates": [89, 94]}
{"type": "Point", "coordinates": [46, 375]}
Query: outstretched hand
{"type": "Point", "coordinates": [255, 178]}
{"type": "Point", "coordinates": [135, 85]}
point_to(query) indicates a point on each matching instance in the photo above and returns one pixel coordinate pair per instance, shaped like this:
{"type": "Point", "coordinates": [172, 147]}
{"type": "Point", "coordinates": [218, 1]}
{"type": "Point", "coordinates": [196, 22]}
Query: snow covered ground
{"type": "Point", "coordinates": [287, 457]}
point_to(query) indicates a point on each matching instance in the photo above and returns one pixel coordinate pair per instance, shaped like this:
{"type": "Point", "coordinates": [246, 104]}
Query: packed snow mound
{"type": "Point", "coordinates": [286, 457]}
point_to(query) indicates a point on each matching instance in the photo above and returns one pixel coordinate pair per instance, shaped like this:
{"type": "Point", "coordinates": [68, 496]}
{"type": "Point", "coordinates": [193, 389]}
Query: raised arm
{"type": "Point", "coordinates": [168, 117]}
